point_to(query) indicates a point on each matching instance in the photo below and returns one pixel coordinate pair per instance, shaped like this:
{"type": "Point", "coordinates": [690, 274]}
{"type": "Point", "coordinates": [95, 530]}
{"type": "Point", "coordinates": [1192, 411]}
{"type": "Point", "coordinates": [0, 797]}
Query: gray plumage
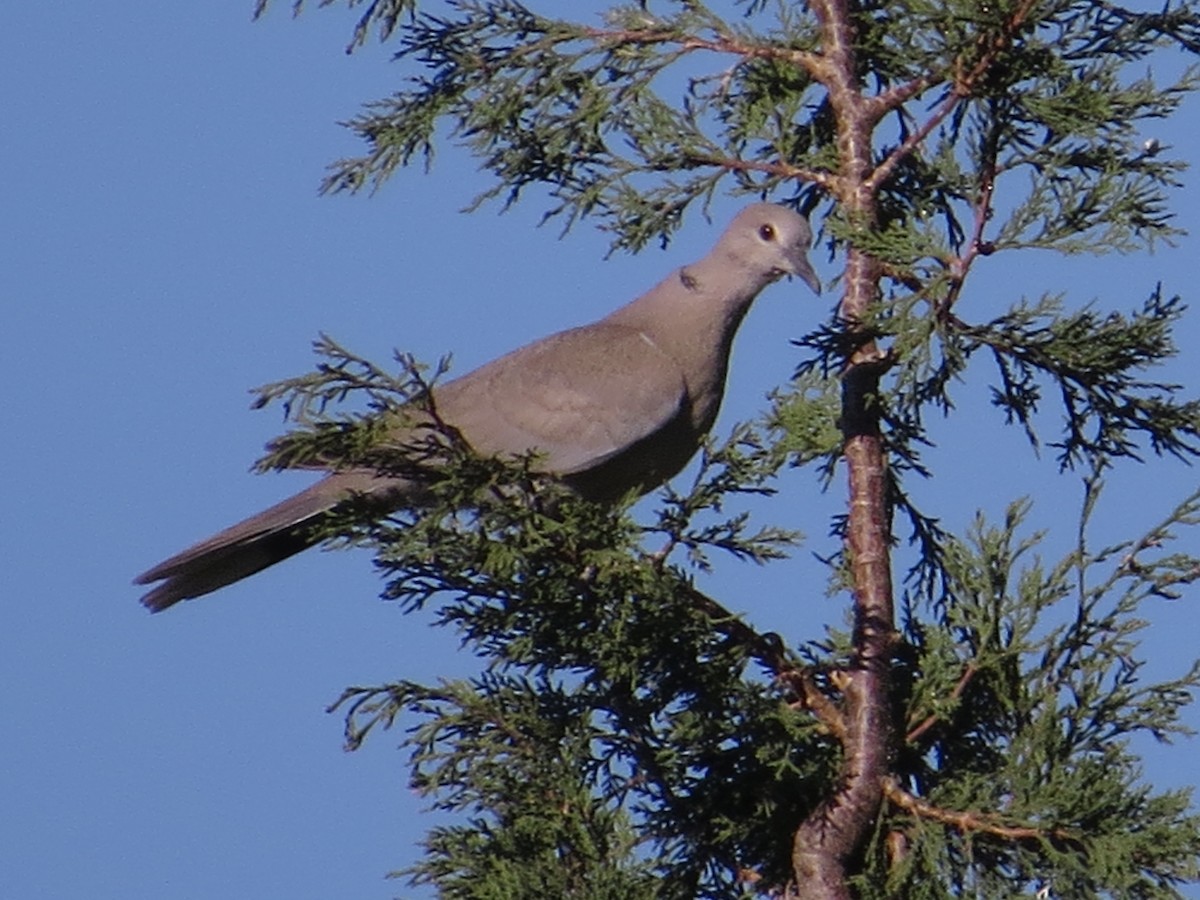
{"type": "Point", "coordinates": [615, 406]}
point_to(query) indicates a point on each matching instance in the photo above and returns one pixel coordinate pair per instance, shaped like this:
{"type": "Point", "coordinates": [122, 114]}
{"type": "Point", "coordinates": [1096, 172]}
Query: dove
{"type": "Point", "coordinates": [613, 408]}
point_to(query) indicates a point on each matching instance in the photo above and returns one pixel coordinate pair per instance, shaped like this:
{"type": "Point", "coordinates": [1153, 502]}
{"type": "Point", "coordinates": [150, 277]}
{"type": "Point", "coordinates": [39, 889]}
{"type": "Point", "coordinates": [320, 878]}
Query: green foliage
{"type": "Point", "coordinates": [504, 752]}
{"type": "Point", "coordinates": [1023, 696]}
{"type": "Point", "coordinates": [627, 736]}
{"type": "Point", "coordinates": [1093, 362]}
{"type": "Point", "coordinates": [677, 736]}
{"type": "Point", "coordinates": [630, 121]}
{"type": "Point", "coordinates": [324, 439]}
{"type": "Point", "coordinates": [385, 16]}
{"type": "Point", "coordinates": [621, 741]}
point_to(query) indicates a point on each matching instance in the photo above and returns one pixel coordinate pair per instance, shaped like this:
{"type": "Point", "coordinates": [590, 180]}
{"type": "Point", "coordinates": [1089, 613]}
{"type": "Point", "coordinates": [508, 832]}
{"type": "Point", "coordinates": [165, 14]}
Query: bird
{"type": "Point", "coordinates": [613, 408]}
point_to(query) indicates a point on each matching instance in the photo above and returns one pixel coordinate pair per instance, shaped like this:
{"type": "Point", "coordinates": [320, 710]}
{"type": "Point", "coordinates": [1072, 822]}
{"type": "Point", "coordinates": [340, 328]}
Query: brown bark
{"type": "Point", "coordinates": [826, 842]}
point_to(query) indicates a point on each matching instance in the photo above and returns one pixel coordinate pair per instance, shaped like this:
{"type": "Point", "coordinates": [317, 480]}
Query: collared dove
{"type": "Point", "coordinates": [617, 406]}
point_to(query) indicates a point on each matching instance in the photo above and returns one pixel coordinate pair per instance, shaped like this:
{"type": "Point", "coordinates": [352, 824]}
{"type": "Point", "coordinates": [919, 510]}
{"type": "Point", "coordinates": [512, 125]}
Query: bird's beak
{"type": "Point", "coordinates": [802, 269]}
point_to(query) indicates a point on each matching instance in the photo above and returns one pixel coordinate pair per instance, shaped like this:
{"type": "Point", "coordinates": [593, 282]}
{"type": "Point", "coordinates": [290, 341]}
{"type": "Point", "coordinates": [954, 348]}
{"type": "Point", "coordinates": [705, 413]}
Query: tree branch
{"type": "Point", "coordinates": [968, 822]}
{"type": "Point", "coordinates": [828, 838]}
{"type": "Point", "coordinates": [777, 169]}
{"type": "Point", "coordinates": [769, 650]}
{"type": "Point", "coordinates": [964, 86]}
{"type": "Point", "coordinates": [918, 731]}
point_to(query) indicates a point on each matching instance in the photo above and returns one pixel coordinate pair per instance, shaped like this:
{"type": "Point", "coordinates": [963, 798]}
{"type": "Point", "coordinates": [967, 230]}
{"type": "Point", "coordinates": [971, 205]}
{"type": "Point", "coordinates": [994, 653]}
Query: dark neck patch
{"type": "Point", "coordinates": [688, 280]}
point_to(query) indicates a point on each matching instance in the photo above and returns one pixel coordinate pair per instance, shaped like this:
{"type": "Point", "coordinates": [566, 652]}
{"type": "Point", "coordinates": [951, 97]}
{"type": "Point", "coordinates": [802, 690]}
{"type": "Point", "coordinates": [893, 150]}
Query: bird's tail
{"type": "Point", "coordinates": [252, 545]}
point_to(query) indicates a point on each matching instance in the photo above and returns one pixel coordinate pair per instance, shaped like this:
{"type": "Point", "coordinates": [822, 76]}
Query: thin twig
{"type": "Point", "coordinates": [916, 733]}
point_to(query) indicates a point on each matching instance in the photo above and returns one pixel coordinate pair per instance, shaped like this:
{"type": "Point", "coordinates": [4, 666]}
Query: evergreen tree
{"type": "Point", "coordinates": [969, 733]}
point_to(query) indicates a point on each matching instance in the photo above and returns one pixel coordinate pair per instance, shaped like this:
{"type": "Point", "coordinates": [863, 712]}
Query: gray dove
{"type": "Point", "coordinates": [609, 408]}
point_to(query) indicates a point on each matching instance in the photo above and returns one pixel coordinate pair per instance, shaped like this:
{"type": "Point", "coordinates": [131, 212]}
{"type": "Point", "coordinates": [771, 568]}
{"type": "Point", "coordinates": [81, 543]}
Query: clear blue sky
{"type": "Point", "coordinates": [163, 249]}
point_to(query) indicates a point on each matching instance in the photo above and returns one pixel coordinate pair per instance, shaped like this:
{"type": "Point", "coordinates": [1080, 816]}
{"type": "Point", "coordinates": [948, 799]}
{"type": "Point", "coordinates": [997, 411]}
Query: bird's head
{"type": "Point", "coordinates": [774, 240]}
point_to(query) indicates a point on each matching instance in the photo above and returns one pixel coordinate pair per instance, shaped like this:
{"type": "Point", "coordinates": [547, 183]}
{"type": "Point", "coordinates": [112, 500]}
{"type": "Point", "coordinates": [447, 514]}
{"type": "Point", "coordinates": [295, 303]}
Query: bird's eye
{"type": "Point", "coordinates": [767, 232]}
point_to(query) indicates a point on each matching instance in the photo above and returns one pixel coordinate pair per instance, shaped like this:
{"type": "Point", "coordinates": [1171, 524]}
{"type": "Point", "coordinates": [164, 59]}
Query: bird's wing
{"type": "Point", "coordinates": [578, 398]}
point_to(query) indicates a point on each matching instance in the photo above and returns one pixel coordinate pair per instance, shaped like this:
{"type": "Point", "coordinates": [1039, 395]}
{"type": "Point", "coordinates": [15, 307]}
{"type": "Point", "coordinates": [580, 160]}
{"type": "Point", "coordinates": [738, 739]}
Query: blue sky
{"type": "Point", "coordinates": [163, 250]}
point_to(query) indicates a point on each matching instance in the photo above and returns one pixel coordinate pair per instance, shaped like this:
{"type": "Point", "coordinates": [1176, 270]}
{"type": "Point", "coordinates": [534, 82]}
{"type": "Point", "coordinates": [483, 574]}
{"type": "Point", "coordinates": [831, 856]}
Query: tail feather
{"type": "Point", "coordinates": [252, 545]}
{"type": "Point", "coordinates": [221, 567]}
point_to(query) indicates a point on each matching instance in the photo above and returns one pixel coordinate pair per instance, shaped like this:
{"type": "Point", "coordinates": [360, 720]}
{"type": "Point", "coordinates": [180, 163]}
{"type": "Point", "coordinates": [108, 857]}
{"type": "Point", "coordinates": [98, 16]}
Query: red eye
{"type": "Point", "coordinates": [767, 232]}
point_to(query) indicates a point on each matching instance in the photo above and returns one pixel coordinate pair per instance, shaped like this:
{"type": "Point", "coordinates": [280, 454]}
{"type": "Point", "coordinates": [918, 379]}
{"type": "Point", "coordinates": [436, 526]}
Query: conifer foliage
{"type": "Point", "coordinates": [970, 733]}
